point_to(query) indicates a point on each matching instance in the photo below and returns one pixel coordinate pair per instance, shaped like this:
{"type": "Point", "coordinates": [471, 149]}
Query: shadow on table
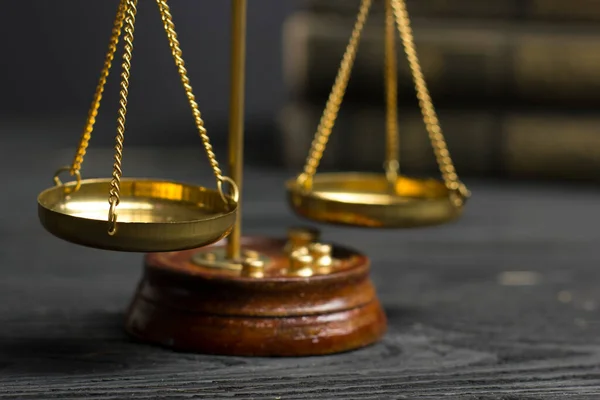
{"type": "Point", "coordinates": [96, 343]}
{"type": "Point", "coordinates": [93, 343]}
{"type": "Point", "coordinates": [400, 316]}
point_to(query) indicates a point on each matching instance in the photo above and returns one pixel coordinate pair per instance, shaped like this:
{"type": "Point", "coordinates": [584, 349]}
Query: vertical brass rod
{"type": "Point", "coordinates": [392, 162]}
{"type": "Point", "coordinates": [236, 115]}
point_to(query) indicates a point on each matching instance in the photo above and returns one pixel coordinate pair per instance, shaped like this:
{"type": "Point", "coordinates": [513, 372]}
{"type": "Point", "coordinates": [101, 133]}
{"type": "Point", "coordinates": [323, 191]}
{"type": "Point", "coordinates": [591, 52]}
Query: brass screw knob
{"type": "Point", "coordinates": [321, 254]}
{"type": "Point", "coordinates": [301, 236]}
{"type": "Point", "coordinates": [210, 257]}
{"type": "Point", "coordinates": [253, 268]}
{"type": "Point", "coordinates": [301, 262]}
{"type": "Point", "coordinates": [251, 254]}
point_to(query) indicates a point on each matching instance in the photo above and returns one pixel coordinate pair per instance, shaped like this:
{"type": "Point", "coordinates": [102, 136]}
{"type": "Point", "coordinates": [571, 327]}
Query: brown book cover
{"type": "Point", "coordinates": [463, 61]}
{"type": "Point", "coordinates": [532, 144]}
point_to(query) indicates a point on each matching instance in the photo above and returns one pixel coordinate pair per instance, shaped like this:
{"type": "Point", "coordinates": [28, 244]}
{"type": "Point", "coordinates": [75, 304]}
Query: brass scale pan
{"type": "Point", "coordinates": [367, 200]}
{"type": "Point", "coordinates": [159, 216]}
{"type": "Point", "coordinates": [140, 215]}
{"type": "Point", "coordinates": [154, 215]}
{"type": "Point", "coordinates": [377, 200]}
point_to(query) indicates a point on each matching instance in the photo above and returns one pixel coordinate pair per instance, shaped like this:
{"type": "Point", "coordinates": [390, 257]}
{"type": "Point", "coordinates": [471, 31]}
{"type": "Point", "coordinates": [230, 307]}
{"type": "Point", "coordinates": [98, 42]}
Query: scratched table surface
{"type": "Point", "coordinates": [503, 304]}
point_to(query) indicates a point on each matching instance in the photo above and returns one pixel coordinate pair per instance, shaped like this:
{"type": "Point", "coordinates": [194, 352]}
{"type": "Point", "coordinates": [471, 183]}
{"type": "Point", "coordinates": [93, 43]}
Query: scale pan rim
{"type": "Point", "coordinates": [335, 199]}
{"type": "Point", "coordinates": [200, 215]}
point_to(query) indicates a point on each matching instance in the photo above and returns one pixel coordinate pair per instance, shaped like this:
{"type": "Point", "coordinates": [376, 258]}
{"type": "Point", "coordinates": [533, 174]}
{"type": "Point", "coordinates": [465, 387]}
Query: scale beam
{"type": "Point", "coordinates": [236, 115]}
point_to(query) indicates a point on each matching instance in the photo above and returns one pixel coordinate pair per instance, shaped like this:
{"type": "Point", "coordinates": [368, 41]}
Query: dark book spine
{"type": "Point", "coordinates": [541, 10]}
{"type": "Point", "coordinates": [524, 144]}
{"type": "Point", "coordinates": [463, 62]}
{"type": "Point", "coordinates": [428, 8]}
{"type": "Point", "coordinates": [561, 10]}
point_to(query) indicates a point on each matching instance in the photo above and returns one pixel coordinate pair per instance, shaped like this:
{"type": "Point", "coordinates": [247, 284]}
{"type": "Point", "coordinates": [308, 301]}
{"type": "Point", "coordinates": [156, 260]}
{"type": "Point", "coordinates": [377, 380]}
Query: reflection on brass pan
{"type": "Point", "coordinates": [153, 216]}
{"type": "Point", "coordinates": [367, 200]}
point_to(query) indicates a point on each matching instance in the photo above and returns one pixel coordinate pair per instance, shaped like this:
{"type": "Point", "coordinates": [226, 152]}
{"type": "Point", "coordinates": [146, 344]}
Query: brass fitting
{"type": "Point", "coordinates": [321, 254]}
{"type": "Point", "coordinates": [253, 268]}
{"type": "Point", "coordinates": [300, 237]}
{"type": "Point", "coordinates": [301, 262]}
{"type": "Point", "coordinates": [250, 254]}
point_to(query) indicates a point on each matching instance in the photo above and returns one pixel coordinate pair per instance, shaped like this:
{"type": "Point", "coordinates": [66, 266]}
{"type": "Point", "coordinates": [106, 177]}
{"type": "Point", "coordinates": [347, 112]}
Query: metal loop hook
{"type": "Point", "coordinates": [391, 171]}
{"type": "Point", "coordinates": [235, 193]}
{"type": "Point", "coordinates": [464, 192]}
{"type": "Point", "coordinates": [112, 217]}
{"type": "Point", "coordinates": [58, 182]}
{"type": "Point", "coordinates": [304, 181]}
{"type": "Point", "coordinates": [459, 196]}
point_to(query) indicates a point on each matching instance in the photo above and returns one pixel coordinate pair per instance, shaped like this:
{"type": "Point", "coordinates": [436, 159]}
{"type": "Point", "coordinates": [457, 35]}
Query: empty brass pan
{"type": "Point", "coordinates": [153, 216]}
{"type": "Point", "coordinates": [368, 200]}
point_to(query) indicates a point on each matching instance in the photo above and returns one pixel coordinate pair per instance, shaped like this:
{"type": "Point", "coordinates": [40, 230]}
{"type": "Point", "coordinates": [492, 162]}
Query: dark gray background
{"type": "Point", "coordinates": [458, 327]}
{"type": "Point", "coordinates": [53, 52]}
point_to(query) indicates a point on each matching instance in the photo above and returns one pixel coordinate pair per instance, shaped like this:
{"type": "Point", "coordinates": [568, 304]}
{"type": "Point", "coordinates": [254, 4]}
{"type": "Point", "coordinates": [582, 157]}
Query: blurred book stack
{"type": "Point", "coordinates": [516, 84]}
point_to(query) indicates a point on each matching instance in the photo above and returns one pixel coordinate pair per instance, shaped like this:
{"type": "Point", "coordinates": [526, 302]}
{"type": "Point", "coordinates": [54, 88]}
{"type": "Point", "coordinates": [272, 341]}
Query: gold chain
{"type": "Point", "coordinates": [458, 190]}
{"type": "Point", "coordinates": [392, 164]}
{"type": "Point", "coordinates": [93, 112]}
{"type": "Point", "coordinates": [114, 193]}
{"type": "Point", "coordinates": [177, 55]}
{"type": "Point", "coordinates": [125, 20]}
{"type": "Point", "coordinates": [335, 98]}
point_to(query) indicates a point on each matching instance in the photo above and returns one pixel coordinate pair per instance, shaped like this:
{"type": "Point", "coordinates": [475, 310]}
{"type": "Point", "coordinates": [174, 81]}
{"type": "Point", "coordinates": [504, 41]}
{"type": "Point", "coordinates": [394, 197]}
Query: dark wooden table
{"type": "Point", "coordinates": [503, 304]}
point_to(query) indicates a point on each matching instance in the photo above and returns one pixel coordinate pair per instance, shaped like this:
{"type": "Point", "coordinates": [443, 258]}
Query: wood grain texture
{"type": "Point", "coordinates": [463, 322]}
{"type": "Point", "coordinates": [184, 305]}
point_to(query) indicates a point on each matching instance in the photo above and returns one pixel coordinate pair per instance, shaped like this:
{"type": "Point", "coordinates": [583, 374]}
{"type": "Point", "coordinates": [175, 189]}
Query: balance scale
{"type": "Point", "coordinates": [297, 295]}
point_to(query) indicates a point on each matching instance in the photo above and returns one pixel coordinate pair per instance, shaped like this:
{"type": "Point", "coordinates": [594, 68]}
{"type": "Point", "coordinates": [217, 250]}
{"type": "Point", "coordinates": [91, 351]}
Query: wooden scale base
{"type": "Point", "coordinates": [276, 304]}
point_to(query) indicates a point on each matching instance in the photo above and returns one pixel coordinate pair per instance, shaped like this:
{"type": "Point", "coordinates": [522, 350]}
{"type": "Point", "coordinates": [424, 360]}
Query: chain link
{"type": "Point", "coordinates": [335, 98]}
{"type": "Point", "coordinates": [115, 184]}
{"type": "Point", "coordinates": [395, 9]}
{"type": "Point", "coordinates": [93, 112]}
{"type": "Point", "coordinates": [458, 190]}
{"type": "Point", "coordinates": [177, 55]}
{"type": "Point", "coordinates": [75, 167]}
{"type": "Point", "coordinates": [125, 20]}
{"type": "Point", "coordinates": [392, 163]}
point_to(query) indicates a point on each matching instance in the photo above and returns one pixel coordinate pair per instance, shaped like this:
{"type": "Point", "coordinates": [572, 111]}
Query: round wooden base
{"type": "Point", "coordinates": [186, 306]}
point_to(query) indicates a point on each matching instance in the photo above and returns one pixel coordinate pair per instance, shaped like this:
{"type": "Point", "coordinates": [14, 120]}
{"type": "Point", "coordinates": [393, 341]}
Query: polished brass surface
{"type": "Point", "coordinates": [253, 268]}
{"type": "Point", "coordinates": [360, 199]}
{"type": "Point", "coordinates": [363, 199]}
{"type": "Point", "coordinates": [154, 216]}
{"type": "Point", "coordinates": [250, 254]}
{"type": "Point", "coordinates": [305, 241]}
{"type": "Point", "coordinates": [301, 263]}
{"type": "Point", "coordinates": [321, 255]}
{"type": "Point", "coordinates": [236, 114]}
{"type": "Point", "coordinates": [219, 258]}
{"type": "Point", "coordinates": [312, 259]}
{"type": "Point", "coordinates": [146, 212]}
{"type": "Point", "coordinates": [300, 236]}
{"type": "Point", "coordinates": [392, 145]}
